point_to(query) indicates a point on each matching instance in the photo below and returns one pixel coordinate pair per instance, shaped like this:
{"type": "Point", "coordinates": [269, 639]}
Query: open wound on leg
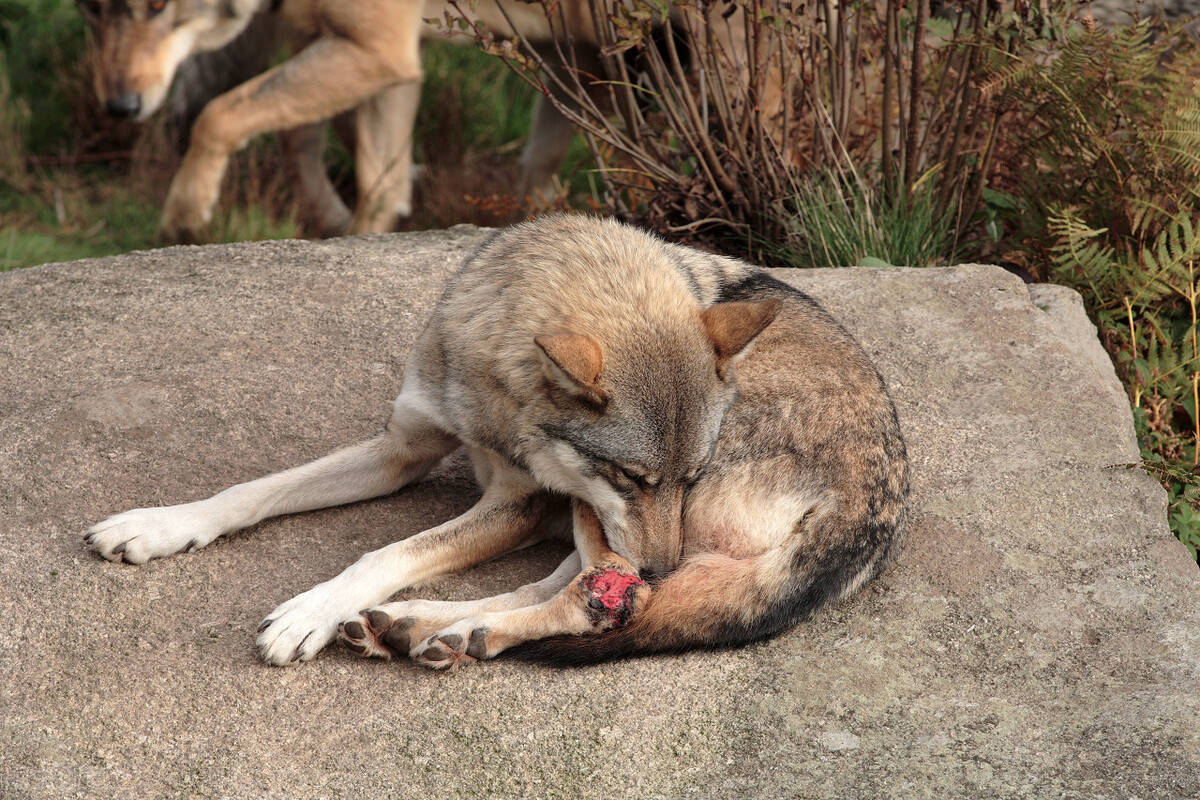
{"type": "Point", "coordinates": [611, 596]}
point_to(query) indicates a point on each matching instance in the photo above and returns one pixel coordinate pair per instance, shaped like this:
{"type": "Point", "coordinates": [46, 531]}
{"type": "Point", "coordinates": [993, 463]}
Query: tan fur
{"type": "Point", "coordinates": [746, 462]}
{"type": "Point", "coordinates": [575, 361]}
{"type": "Point", "coordinates": [731, 326]}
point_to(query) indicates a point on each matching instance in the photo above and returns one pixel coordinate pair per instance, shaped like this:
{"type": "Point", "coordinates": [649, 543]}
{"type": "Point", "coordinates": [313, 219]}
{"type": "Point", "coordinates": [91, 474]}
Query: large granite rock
{"type": "Point", "coordinates": [1040, 636]}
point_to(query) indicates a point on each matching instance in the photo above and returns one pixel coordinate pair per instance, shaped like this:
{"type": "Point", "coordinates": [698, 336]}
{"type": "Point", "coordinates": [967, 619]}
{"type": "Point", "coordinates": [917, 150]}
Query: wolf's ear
{"type": "Point", "coordinates": [573, 362]}
{"type": "Point", "coordinates": [731, 327]}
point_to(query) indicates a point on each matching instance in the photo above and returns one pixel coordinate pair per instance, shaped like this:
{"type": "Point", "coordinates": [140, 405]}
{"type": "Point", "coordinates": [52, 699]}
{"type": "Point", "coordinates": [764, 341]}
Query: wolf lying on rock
{"type": "Point", "coordinates": [723, 454]}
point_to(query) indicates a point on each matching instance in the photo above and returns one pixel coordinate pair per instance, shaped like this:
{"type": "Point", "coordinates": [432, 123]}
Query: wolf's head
{"type": "Point", "coordinates": [633, 420]}
{"type": "Point", "coordinates": [140, 43]}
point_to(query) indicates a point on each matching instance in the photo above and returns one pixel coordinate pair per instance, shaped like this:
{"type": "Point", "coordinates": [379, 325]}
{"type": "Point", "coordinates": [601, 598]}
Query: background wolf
{"type": "Point", "coordinates": [716, 433]}
{"type": "Point", "coordinates": [361, 57]}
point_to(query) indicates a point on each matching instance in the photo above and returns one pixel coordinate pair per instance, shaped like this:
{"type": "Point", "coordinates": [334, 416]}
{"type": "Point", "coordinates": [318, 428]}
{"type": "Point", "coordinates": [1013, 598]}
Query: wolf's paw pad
{"type": "Point", "coordinates": [376, 633]}
{"type": "Point", "coordinates": [613, 596]}
{"type": "Point", "coordinates": [447, 650]}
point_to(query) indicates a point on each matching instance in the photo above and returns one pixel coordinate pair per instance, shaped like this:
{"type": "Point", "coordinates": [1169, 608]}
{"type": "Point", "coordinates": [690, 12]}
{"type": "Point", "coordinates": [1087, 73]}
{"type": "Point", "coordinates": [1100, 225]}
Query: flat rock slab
{"type": "Point", "coordinates": [1040, 636]}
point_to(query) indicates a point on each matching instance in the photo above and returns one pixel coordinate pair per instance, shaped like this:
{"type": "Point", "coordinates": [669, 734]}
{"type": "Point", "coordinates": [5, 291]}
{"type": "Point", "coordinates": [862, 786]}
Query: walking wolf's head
{"type": "Point", "coordinates": [636, 418]}
{"type": "Point", "coordinates": [140, 43]}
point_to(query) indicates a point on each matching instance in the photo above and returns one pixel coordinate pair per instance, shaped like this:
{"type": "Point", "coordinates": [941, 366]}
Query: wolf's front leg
{"type": "Point", "coordinates": [395, 629]}
{"type": "Point", "coordinates": [507, 517]}
{"type": "Point", "coordinates": [407, 450]}
{"type": "Point", "coordinates": [606, 594]}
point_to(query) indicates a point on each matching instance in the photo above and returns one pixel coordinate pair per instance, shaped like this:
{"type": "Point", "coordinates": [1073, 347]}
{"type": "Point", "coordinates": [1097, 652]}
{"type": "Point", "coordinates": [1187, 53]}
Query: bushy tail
{"type": "Point", "coordinates": [714, 601]}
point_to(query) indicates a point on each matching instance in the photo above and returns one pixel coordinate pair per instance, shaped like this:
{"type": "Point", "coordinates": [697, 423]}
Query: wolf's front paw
{"type": "Point", "coordinates": [170, 232]}
{"type": "Point", "coordinates": [137, 536]}
{"type": "Point", "coordinates": [300, 628]}
{"type": "Point", "coordinates": [183, 222]}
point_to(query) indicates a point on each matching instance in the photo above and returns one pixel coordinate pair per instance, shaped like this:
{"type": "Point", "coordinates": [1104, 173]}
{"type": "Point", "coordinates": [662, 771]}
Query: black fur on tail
{"type": "Point", "coordinates": [817, 582]}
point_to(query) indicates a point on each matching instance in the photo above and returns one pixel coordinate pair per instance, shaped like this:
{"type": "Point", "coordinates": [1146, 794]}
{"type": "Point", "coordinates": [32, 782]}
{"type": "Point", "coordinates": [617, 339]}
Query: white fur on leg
{"type": "Point", "coordinates": [368, 469]}
{"type": "Point", "coordinates": [298, 629]}
{"type": "Point", "coordinates": [144, 533]}
{"type": "Point", "coordinates": [422, 618]}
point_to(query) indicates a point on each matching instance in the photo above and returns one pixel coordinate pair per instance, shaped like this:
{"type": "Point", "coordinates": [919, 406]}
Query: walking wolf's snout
{"type": "Point", "coordinates": [139, 46]}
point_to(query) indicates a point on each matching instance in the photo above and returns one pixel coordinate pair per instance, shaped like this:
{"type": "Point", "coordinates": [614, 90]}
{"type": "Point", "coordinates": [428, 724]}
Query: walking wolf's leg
{"type": "Point", "coordinates": [410, 446]}
{"type": "Point", "coordinates": [543, 155]}
{"type": "Point", "coordinates": [383, 158]}
{"type": "Point", "coordinates": [322, 212]}
{"type": "Point", "coordinates": [605, 594]}
{"type": "Point", "coordinates": [551, 133]}
{"type": "Point", "coordinates": [507, 517]}
{"type": "Point", "coordinates": [329, 76]}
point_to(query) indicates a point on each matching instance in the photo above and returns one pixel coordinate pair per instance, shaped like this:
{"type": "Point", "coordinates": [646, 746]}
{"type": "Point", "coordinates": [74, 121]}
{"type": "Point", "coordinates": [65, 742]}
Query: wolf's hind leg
{"type": "Point", "coordinates": [393, 629]}
{"type": "Point", "coordinates": [605, 594]}
{"type": "Point", "coordinates": [409, 447]}
{"type": "Point", "coordinates": [508, 516]}
{"type": "Point", "coordinates": [383, 158]}
{"type": "Point", "coordinates": [322, 212]}
{"type": "Point", "coordinates": [551, 133]}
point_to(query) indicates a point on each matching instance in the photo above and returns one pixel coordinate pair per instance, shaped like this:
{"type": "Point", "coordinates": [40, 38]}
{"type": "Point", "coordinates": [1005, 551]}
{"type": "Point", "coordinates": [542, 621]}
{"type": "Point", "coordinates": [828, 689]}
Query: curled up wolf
{"type": "Point", "coordinates": [723, 455]}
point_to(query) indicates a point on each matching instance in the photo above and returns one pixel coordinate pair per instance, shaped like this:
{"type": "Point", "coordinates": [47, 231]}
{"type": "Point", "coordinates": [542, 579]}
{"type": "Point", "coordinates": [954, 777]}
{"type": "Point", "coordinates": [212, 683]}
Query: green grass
{"type": "Point", "coordinates": [842, 222]}
{"type": "Point", "coordinates": [471, 101]}
{"type": "Point", "coordinates": [106, 225]}
{"type": "Point", "coordinates": [41, 42]}
{"type": "Point", "coordinates": [104, 220]}
{"type": "Point", "coordinates": [472, 104]}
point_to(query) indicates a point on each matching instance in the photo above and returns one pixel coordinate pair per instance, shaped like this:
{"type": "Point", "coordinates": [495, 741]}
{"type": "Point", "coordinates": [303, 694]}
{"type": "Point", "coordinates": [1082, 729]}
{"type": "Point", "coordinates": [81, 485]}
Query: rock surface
{"type": "Point", "coordinates": [1039, 637]}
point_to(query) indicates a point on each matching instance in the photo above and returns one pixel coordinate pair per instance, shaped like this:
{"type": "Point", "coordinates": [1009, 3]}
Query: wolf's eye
{"type": "Point", "coordinates": [90, 8]}
{"type": "Point", "coordinates": [617, 476]}
{"type": "Point", "coordinates": [155, 7]}
{"type": "Point", "coordinates": [640, 480]}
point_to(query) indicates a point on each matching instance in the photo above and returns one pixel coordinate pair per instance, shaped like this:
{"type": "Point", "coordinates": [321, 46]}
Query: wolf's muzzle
{"type": "Point", "coordinates": [124, 106]}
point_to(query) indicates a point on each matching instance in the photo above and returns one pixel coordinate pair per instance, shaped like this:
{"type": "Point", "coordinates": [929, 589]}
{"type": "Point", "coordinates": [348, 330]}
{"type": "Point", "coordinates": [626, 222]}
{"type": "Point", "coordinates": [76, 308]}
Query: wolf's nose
{"type": "Point", "coordinates": [124, 105]}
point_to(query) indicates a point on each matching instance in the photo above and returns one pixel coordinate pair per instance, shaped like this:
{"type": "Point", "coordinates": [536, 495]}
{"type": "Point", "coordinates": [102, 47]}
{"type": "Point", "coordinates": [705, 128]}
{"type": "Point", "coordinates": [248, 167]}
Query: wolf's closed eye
{"type": "Point", "coordinates": [636, 476]}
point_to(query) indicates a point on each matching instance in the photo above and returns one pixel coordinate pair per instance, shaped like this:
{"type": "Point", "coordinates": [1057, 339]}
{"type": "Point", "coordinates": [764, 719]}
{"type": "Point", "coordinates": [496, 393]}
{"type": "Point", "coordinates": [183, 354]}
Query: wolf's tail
{"type": "Point", "coordinates": [714, 601]}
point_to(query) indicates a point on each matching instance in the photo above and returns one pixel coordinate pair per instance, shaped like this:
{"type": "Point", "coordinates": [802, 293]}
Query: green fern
{"type": "Point", "coordinates": [1111, 123]}
{"type": "Point", "coordinates": [1143, 288]}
